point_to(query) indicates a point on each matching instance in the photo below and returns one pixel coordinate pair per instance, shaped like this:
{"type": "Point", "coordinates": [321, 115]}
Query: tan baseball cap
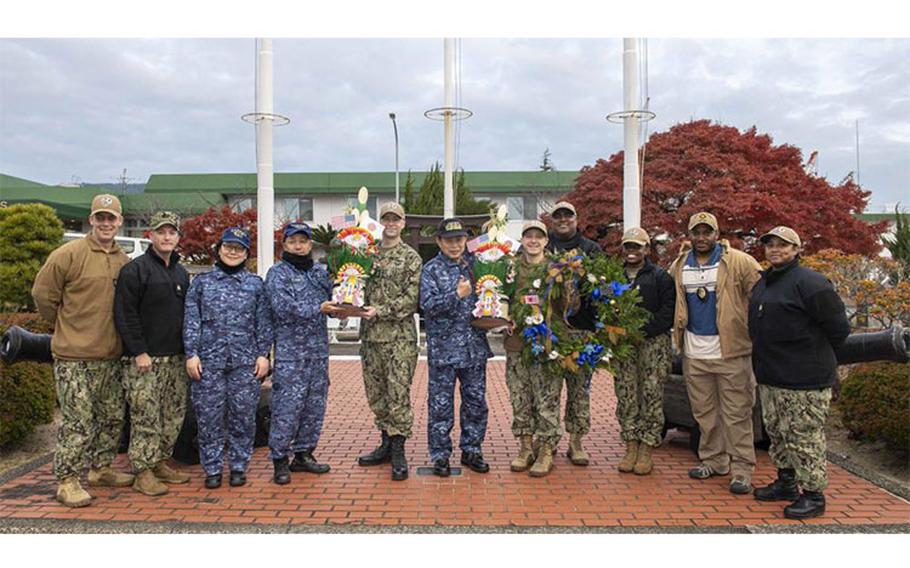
{"type": "Point", "coordinates": [784, 233]}
{"type": "Point", "coordinates": [563, 205]}
{"type": "Point", "coordinates": [107, 203]}
{"type": "Point", "coordinates": [703, 218]}
{"type": "Point", "coordinates": [534, 225]}
{"type": "Point", "coordinates": [636, 235]}
{"type": "Point", "coordinates": [391, 207]}
{"type": "Point", "coordinates": [163, 218]}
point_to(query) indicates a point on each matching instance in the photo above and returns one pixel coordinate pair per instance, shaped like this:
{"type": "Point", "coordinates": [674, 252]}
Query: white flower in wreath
{"type": "Point", "coordinates": [554, 355]}
{"type": "Point", "coordinates": [592, 279]}
{"type": "Point", "coordinates": [536, 283]}
{"type": "Point", "coordinates": [534, 320]}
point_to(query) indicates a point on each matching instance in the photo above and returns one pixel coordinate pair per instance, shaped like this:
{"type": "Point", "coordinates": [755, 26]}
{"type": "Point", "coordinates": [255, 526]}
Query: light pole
{"type": "Point", "coordinates": [395, 126]}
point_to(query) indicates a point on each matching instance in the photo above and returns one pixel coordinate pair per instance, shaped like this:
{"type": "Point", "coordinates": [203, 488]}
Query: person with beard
{"type": "Point", "coordinates": [299, 292]}
{"type": "Point", "coordinates": [227, 335]}
{"type": "Point", "coordinates": [565, 236]}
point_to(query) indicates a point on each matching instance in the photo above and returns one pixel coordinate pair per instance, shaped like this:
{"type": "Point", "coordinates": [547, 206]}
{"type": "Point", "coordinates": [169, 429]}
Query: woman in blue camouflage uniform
{"type": "Point", "coordinates": [299, 293]}
{"type": "Point", "coordinates": [227, 333]}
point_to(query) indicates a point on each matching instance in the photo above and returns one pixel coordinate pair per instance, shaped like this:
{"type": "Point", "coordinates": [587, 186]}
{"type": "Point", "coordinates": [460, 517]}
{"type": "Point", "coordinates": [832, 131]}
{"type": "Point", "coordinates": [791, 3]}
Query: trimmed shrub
{"type": "Point", "coordinates": [874, 402]}
{"type": "Point", "coordinates": [27, 389]}
{"type": "Point", "coordinates": [28, 233]}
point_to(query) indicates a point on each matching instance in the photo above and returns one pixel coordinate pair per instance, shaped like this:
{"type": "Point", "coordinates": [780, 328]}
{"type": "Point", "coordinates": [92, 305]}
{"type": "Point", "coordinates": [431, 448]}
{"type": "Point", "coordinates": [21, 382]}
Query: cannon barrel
{"type": "Point", "coordinates": [18, 344]}
{"type": "Point", "coordinates": [892, 344]}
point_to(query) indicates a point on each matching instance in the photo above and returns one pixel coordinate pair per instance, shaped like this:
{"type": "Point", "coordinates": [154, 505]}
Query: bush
{"type": "Point", "coordinates": [873, 403]}
{"type": "Point", "coordinates": [27, 389]}
{"type": "Point", "coordinates": [28, 233]}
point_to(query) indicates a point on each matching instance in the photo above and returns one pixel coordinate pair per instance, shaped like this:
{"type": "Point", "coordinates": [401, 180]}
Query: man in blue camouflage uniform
{"type": "Point", "coordinates": [299, 293]}
{"type": "Point", "coordinates": [454, 349]}
{"type": "Point", "coordinates": [227, 334]}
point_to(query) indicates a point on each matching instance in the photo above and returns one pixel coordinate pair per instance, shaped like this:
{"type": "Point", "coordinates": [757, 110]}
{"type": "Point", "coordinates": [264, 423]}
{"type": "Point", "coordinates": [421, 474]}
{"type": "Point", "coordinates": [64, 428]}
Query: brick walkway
{"type": "Point", "coordinates": [593, 496]}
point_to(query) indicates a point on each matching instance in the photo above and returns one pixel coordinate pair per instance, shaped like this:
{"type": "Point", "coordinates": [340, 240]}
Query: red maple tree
{"type": "Point", "coordinates": [747, 182]}
{"type": "Point", "coordinates": [200, 234]}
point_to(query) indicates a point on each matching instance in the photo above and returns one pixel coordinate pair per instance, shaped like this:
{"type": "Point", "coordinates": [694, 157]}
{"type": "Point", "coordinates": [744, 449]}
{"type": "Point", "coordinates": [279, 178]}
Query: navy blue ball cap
{"type": "Point", "coordinates": [451, 228]}
{"type": "Point", "coordinates": [237, 235]}
{"type": "Point", "coordinates": [297, 228]}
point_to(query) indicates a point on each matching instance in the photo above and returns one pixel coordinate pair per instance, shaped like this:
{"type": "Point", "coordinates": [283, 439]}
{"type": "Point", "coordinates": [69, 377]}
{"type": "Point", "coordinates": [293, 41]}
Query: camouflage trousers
{"type": "Point", "coordinates": [441, 408]}
{"type": "Point", "coordinates": [300, 390]}
{"type": "Point", "coordinates": [157, 407]}
{"type": "Point", "coordinates": [639, 384]}
{"type": "Point", "coordinates": [535, 400]}
{"type": "Point", "coordinates": [795, 422]}
{"type": "Point", "coordinates": [91, 400]}
{"type": "Point", "coordinates": [388, 369]}
{"type": "Point", "coordinates": [578, 402]}
{"type": "Point", "coordinates": [225, 400]}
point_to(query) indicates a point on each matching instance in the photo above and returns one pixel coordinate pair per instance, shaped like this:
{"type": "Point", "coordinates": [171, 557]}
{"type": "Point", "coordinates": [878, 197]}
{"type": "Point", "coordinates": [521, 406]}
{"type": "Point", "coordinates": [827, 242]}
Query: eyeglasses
{"type": "Point", "coordinates": [233, 248]}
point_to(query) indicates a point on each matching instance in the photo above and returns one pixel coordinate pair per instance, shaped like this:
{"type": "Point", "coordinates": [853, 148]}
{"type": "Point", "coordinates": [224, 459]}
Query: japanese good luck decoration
{"type": "Point", "coordinates": [492, 275]}
{"type": "Point", "coordinates": [350, 255]}
{"type": "Point", "coordinates": [587, 315]}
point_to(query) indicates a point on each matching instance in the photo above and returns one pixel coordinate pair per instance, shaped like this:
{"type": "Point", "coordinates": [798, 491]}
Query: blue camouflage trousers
{"type": "Point", "coordinates": [472, 383]}
{"type": "Point", "coordinates": [299, 393]}
{"type": "Point", "coordinates": [225, 399]}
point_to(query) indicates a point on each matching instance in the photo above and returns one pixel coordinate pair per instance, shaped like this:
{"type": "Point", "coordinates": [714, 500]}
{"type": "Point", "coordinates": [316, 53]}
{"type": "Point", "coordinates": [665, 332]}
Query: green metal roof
{"type": "Point", "coordinates": [12, 182]}
{"type": "Point", "coordinates": [350, 182]}
{"type": "Point", "coordinates": [68, 202]}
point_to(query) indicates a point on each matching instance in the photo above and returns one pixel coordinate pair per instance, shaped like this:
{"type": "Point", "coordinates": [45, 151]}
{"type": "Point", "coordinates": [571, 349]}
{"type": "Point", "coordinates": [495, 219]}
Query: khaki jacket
{"type": "Point", "coordinates": [75, 290]}
{"type": "Point", "coordinates": [737, 274]}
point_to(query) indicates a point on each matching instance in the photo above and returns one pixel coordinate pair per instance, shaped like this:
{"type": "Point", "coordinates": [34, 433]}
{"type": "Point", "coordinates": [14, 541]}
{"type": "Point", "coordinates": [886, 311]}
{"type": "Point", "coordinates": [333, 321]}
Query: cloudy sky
{"type": "Point", "coordinates": [84, 109]}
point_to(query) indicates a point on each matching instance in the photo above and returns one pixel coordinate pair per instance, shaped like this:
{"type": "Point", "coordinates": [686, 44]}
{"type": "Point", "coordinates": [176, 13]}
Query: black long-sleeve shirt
{"type": "Point", "coordinates": [658, 296]}
{"type": "Point", "coordinates": [148, 305]}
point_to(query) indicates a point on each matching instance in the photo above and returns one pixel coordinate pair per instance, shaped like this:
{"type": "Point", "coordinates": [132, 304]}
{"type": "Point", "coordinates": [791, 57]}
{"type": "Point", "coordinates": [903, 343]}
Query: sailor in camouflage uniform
{"type": "Point", "coordinates": [227, 335]}
{"type": "Point", "coordinates": [796, 321]}
{"type": "Point", "coordinates": [299, 293]}
{"type": "Point", "coordinates": [388, 341]}
{"type": "Point", "coordinates": [454, 349]}
{"type": "Point", "coordinates": [639, 380]}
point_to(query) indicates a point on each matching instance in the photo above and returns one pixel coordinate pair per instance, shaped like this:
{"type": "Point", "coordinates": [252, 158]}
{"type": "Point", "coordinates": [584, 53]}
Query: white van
{"type": "Point", "coordinates": [134, 247]}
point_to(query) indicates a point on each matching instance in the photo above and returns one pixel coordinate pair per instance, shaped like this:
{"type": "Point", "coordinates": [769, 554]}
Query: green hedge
{"type": "Point", "coordinates": [27, 389]}
{"type": "Point", "coordinates": [28, 234]}
{"type": "Point", "coordinates": [874, 403]}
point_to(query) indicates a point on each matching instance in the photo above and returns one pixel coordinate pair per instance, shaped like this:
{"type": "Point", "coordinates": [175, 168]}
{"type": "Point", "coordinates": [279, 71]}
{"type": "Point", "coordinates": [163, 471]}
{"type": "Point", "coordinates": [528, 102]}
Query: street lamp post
{"type": "Point", "coordinates": [395, 126]}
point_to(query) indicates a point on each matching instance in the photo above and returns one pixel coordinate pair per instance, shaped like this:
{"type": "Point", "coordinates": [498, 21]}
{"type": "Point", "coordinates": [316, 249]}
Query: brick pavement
{"type": "Point", "coordinates": [593, 496]}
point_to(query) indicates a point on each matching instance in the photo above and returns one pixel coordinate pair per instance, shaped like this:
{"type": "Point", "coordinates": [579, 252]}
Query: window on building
{"type": "Point", "coordinates": [522, 208]}
{"type": "Point", "coordinates": [297, 209]}
{"type": "Point", "coordinates": [371, 204]}
{"type": "Point", "coordinates": [242, 203]}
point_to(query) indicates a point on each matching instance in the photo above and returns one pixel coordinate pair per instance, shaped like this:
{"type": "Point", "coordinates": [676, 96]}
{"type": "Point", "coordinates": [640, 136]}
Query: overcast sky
{"type": "Point", "coordinates": [84, 109]}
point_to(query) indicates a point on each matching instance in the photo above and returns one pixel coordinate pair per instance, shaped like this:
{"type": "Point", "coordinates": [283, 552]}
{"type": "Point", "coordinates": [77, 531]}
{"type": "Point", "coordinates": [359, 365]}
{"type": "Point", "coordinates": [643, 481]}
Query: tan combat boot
{"type": "Point", "coordinates": [627, 463]}
{"type": "Point", "coordinates": [643, 464]}
{"type": "Point", "coordinates": [576, 453]}
{"type": "Point", "coordinates": [147, 484]}
{"type": "Point", "coordinates": [71, 493]}
{"type": "Point", "coordinates": [107, 477]}
{"type": "Point", "coordinates": [544, 462]}
{"type": "Point", "coordinates": [525, 455]}
{"type": "Point", "coordinates": [166, 474]}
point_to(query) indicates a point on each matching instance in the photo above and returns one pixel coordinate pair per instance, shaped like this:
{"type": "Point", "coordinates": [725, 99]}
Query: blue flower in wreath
{"type": "Point", "coordinates": [597, 294]}
{"type": "Point", "coordinates": [619, 288]}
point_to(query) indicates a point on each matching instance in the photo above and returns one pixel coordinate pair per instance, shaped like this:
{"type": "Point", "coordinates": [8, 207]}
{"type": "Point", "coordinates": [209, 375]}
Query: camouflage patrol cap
{"type": "Point", "coordinates": [163, 218]}
{"type": "Point", "coordinates": [107, 203]}
{"type": "Point", "coordinates": [391, 207]}
{"type": "Point", "coordinates": [703, 218]}
{"type": "Point", "coordinates": [636, 235]}
{"type": "Point", "coordinates": [534, 224]}
{"type": "Point", "coordinates": [783, 233]}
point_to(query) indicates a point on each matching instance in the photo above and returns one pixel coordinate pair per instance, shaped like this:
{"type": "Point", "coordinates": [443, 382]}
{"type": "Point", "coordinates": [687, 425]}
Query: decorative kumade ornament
{"type": "Point", "coordinates": [350, 257]}
{"type": "Point", "coordinates": [492, 283]}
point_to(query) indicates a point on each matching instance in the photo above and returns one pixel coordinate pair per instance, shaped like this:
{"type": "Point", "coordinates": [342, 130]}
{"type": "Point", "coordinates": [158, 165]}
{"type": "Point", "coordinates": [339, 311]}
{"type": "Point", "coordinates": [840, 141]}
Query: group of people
{"type": "Point", "coordinates": [133, 331]}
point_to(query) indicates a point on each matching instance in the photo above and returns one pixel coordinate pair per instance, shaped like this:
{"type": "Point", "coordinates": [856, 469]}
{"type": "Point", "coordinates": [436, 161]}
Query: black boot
{"type": "Point", "coordinates": [441, 467]}
{"type": "Point", "coordinates": [213, 481]}
{"type": "Point", "coordinates": [475, 462]}
{"type": "Point", "coordinates": [784, 487]}
{"type": "Point", "coordinates": [399, 462]}
{"type": "Point", "coordinates": [237, 479]}
{"type": "Point", "coordinates": [810, 504]}
{"type": "Point", "coordinates": [304, 461]}
{"type": "Point", "coordinates": [378, 456]}
{"type": "Point", "coordinates": [282, 471]}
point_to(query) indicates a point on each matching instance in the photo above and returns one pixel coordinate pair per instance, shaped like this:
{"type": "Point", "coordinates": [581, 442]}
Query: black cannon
{"type": "Point", "coordinates": [891, 344]}
{"type": "Point", "coordinates": [18, 344]}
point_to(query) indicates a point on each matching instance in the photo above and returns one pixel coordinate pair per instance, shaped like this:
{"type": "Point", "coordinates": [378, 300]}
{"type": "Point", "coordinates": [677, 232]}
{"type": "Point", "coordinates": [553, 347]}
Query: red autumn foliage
{"type": "Point", "coordinates": [200, 234]}
{"type": "Point", "coordinates": [746, 181]}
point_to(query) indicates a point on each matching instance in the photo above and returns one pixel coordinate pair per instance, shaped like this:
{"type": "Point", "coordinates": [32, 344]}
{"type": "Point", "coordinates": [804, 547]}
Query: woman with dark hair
{"type": "Point", "coordinates": [796, 321]}
{"type": "Point", "coordinates": [227, 334]}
